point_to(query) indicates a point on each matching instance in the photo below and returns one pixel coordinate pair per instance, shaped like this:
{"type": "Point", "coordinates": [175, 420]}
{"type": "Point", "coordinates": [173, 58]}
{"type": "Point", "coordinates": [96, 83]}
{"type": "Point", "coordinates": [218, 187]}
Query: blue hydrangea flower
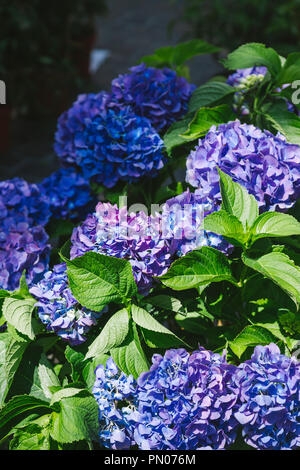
{"type": "Point", "coordinates": [182, 218]}
{"type": "Point", "coordinates": [266, 165]}
{"type": "Point", "coordinates": [108, 144]}
{"type": "Point", "coordinates": [269, 386]}
{"type": "Point", "coordinates": [158, 94]}
{"type": "Point", "coordinates": [21, 199]}
{"type": "Point", "coordinates": [184, 402]}
{"type": "Point", "coordinates": [135, 237]}
{"type": "Point", "coordinates": [68, 193]}
{"type": "Point", "coordinates": [59, 310]}
{"type": "Point", "coordinates": [244, 79]}
{"type": "Point", "coordinates": [22, 247]}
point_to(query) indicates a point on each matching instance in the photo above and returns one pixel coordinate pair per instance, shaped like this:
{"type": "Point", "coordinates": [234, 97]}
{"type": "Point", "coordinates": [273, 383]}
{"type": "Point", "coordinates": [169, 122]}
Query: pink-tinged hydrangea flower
{"type": "Point", "coordinates": [182, 218]}
{"type": "Point", "coordinates": [107, 142]}
{"type": "Point", "coordinates": [266, 165]}
{"type": "Point", "coordinates": [59, 310]}
{"type": "Point", "coordinates": [269, 385]}
{"type": "Point", "coordinates": [184, 402]}
{"type": "Point", "coordinates": [22, 247]}
{"type": "Point", "coordinates": [135, 237]}
{"type": "Point", "coordinates": [21, 199]}
{"type": "Point", "coordinates": [67, 192]}
{"type": "Point", "coordinates": [157, 94]}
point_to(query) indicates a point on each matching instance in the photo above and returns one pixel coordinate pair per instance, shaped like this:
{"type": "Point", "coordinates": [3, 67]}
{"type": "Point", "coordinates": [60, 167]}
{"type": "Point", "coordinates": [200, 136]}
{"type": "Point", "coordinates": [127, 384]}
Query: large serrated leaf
{"type": "Point", "coordinates": [197, 268]}
{"type": "Point", "coordinates": [76, 421]}
{"type": "Point", "coordinates": [285, 122]}
{"type": "Point", "coordinates": [252, 335]}
{"type": "Point", "coordinates": [237, 201]}
{"type": "Point", "coordinates": [208, 94]}
{"type": "Point", "coordinates": [280, 269]}
{"type": "Point", "coordinates": [275, 224]}
{"type": "Point", "coordinates": [225, 224]}
{"type": "Point", "coordinates": [11, 352]}
{"type": "Point", "coordinates": [251, 54]}
{"type": "Point", "coordinates": [206, 117]}
{"type": "Point", "coordinates": [130, 357]}
{"type": "Point", "coordinates": [113, 334]}
{"type": "Point", "coordinates": [18, 312]}
{"type": "Point", "coordinates": [96, 280]}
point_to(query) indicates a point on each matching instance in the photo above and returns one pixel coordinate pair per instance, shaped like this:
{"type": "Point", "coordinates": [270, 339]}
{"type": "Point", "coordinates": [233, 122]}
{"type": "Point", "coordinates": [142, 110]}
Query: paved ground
{"type": "Point", "coordinates": [131, 29]}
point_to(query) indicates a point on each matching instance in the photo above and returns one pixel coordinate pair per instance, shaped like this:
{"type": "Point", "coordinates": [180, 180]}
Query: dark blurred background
{"type": "Point", "coordinates": [51, 51]}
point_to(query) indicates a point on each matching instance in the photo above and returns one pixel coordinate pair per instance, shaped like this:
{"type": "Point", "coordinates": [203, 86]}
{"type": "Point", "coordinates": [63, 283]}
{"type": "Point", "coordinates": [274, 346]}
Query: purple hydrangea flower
{"type": "Point", "coordinates": [269, 386]}
{"type": "Point", "coordinates": [266, 165]}
{"type": "Point", "coordinates": [22, 247]}
{"type": "Point", "coordinates": [135, 237]}
{"type": "Point", "coordinates": [108, 144]}
{"type": "Point", "coordinates": [158, 94]}
{"type": "Point", "coordinates": [68, 193]}
{"type": "Point", "coordinates": [182, 218]}
{"type": "Point", "coordinates": [21, 199]}
{"type": "Point", "coordinates": [184, 402]}
{"type": "Point", "coordinates": [244, 79]}
{"type": "Point", "coordinates": [59, 310]}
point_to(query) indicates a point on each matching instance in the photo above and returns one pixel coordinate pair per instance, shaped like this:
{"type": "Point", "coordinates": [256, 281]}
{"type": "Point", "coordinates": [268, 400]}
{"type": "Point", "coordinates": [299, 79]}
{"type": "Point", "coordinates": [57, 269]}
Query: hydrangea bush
{"type": "Point", "coordinates": [149, 288]}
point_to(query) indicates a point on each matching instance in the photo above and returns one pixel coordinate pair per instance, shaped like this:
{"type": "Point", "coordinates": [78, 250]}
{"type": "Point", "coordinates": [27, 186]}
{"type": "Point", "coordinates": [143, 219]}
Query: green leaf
{"type": "Point", "coordinates": [192, 322]}
{"type": "Point", "coordinates": [47, 377]}
{"type": "Point", "coordinates": [77, 361]}
{"type": "Point", "coordinates": [11, 352]}
{"type": "Point", "coordinates": [205, 118]}
{"type": "Point", "coordinates": [237, 201]}
{"type": "Point", "coordinates": [66, 392]}
{"type": "Point", "coordinates": [251, 54]}
{"type": "Point", "coordinates": [280, 269]}
{"type": "Point", "coordinates": [18, 312]}
{"type": "Point", "coordinates": [76, 421]}
{"type": "Point", "coordinates": [88, 372]}
{"type": "Point", "coordinates": [166, 302]}
{"type": "Point", "coordinates": [32, 437]}
{"type": "Point", "coordinates": [285, 122]}
{"type": "Point", "coordinates": [252, 335]}
{"type": "Point", "coordinates": [162, 335]}
{"type": "Point", "coordinates": [173, 137]}
{"type": "Point", "coordinates": [290, 70]}
{"type": "Point", "coordinates": [130, 357]}
{"type": "Point", "coordinates": [96, 280]}
{"type": "Point", "coordinates": [112, 335]}
{"type": "Point", "coordinates": [208, 94]}
{"type": "Point", "coordinates": [197, 268]}
{"type": "Point", "coordinates": [275, 224]}
{"type": "Point", "coordinates": [175, 56]}
{"type": "Point", "coordinates": [15, 410]}
{"type": "Point", "coordinates": [223, 223]}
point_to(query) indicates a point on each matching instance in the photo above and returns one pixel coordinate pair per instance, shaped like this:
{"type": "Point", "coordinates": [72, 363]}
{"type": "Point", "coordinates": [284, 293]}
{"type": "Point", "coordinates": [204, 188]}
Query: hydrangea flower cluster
{"type": "Point", "coordinates": [157, 94]}
{"type": "Point", "coordinates": [24, 210]}
{"type": "Point", "coordinates": [21, 199]}
{"type": "Point", "coordinates": [136, 237]}
{"type": "Point", "coordinates": [270, 399]}
{"type": "Point", "coordinates": [198, 401]}
{"type": "Point", "coordinates": [22, 247]}
{"type": "Point", "coordinates": [244, 79]}
{"type": "Point", "coordinates": [67, 192]}
{"type": "Point", "coordinates": [182, 217]}
{"type": "Point", "coordinates": [183, 402]}
{"type": "Point", "coordinates": [265, 164]}
{"type": "Point", "coordinates": [108, 145]}
{"type": "Point", "coordinates": [59, 310]}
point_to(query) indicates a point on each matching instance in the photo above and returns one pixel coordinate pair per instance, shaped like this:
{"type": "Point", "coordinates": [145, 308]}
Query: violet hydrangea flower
{"type": "Point", "coordinates": [269, 386]}
{"type": "Point", "coordinates": [184, 402]}
{"type": "Point", "coordinates": [108, 143]}
{"type": "Point", "coordinates": [135, 237]}
{"type": "Point", "coordinates": [244, 79]}
{"type": "Point", "coordinates": [182, 217]}
{"type": "Point", "coordinates": [158, 94]}
{"type": "Point", "coordinates": [21, 199]}
{"type": "Point", "coordinates": [22, 247]}
{"type": "Point", "coordinates": [68, 193]}
{"type": "Point", "coordinates": [59, 310]}
{"type": "Point", "coordinates": [266, 165]}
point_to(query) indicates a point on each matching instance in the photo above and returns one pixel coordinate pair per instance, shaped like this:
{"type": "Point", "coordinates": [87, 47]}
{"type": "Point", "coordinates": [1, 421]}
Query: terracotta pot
{"type": "Point", "coordinates": [5, 127]}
